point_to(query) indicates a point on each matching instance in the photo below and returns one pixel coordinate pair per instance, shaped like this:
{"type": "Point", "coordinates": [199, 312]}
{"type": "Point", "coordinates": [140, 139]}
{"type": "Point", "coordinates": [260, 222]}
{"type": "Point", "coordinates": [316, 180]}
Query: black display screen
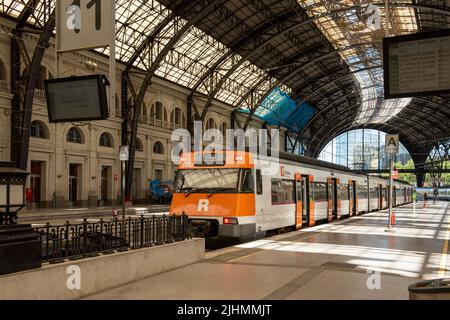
{"type": "Point", "coordinates": [77, 99]}
{"type": "Point", "coordinates": [417, 65]}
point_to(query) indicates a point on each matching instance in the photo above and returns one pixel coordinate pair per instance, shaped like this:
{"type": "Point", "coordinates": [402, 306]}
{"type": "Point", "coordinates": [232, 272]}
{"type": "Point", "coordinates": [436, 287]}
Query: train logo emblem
{"type": "Point", "coordinates": [203, 205]}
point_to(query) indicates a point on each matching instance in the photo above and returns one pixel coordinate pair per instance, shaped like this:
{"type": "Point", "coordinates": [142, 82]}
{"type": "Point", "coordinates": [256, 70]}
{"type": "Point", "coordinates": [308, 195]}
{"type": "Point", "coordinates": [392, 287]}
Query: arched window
{"type": "Point", "coordinates": [75, 136]}
{"type": "Point", "coordinates": [158, 111]}
{"type": "Point", "coordinates": [158, 148]}
{"type": "Point", "coordinates": [43, 75]}
{"type": "Point", "coordinates": [139, 145]}
{"type": "Point", "coordinates": [38, 130]}
{"type": "Point", "coordinates": [211, 124]}
{"type": "Point", "coordinates": [362, 149]}
{"type": "Point", "coordinates": [106, 140]}
{"type": "Point", "coordinates": [144, 113]}
{"type": "Point", "coordinates": [2, 71]}
{"type": "Point", "coordinates": [223, 128]}
{"type": "Point", "coordinates": [177, 117]}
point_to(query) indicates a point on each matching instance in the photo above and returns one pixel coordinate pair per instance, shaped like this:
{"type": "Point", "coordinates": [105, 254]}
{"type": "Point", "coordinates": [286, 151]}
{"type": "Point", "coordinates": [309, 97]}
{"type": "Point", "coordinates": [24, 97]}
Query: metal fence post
{"type": "Point", "coordinates": [84, 235]}
{"type": "Point", "coordinates": [66, 240]}
{"type": "Point", "coordinates": [142, 230]}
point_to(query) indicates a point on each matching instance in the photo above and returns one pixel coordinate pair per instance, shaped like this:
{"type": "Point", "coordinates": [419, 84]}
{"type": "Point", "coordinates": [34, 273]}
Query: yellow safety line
{"type": "Point", "coordinates": [249, 255]}
{"type": "Point", "coordinates": [443, 266]}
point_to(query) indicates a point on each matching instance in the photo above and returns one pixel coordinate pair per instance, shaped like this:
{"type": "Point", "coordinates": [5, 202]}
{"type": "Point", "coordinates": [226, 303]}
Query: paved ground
{"type": "Point", "coordinates": [58, 216]}
{"type": "Point", "coordinates": [333, 261]}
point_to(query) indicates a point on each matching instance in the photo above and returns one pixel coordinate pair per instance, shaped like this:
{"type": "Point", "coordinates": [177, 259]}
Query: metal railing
{"type": "Point", "coordinates": [88, 239]}
{"type": "Point", "coordinates": [39, 94]}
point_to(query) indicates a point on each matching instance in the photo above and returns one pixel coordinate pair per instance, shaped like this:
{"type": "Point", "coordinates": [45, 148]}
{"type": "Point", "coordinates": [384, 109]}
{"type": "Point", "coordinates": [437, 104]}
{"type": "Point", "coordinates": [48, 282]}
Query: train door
{"type": "Point", "coordinates": [298, 202]}
{"type": "Point", "coordinates": [305, 201]}
{"type": "Point", "coordinates": [352, 197]}
{"type": "Point", "coordinates": [332, 199]}
{"type": "Point", "coordinates": [394, 196]}
{"type": "Point", "coordinates": [380, 197]}
{"type": "Point", "coordinates": [260, 202]}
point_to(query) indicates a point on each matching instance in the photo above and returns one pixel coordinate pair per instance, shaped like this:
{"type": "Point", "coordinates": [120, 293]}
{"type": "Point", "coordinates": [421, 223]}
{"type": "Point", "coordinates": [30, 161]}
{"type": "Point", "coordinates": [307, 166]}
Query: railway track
{"type": "Point", "coordinates": [48, 217]}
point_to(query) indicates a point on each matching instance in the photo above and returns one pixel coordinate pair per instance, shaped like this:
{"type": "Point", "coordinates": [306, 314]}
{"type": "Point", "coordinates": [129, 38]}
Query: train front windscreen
{"type": "Point", "coordinates": [213, 180]}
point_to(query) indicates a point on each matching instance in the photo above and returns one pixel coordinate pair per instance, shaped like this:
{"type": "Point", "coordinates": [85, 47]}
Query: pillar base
{"type": "Point", "coordinates": [93, 201]}
{"type": "Point", "coordinates": [20, 248]}
{"type": "Point", "coordinates": [59, 202]}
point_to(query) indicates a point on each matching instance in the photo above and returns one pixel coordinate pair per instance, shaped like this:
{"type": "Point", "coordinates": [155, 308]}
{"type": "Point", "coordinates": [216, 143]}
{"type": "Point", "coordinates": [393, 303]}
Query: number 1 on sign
{"type": "Point", "coordinates": [98, 12]}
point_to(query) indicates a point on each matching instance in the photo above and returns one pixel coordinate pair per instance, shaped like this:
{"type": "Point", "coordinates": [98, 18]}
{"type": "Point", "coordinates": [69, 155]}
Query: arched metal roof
{"type": "Point", "coordinates": [322, 53]}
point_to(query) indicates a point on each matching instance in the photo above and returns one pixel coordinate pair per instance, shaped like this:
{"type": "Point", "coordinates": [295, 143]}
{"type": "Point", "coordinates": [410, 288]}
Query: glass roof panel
{"type": "Point", "coordinates": [188, 60]}
{"type": "Point", "coordinates": [360, 25]}
{"type": "Point", "coordinates": [347, 27]}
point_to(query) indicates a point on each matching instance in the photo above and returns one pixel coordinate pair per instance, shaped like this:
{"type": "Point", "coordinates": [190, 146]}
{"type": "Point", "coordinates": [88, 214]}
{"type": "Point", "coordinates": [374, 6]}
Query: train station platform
{"type": "Point", "coordinates": [351, 259]}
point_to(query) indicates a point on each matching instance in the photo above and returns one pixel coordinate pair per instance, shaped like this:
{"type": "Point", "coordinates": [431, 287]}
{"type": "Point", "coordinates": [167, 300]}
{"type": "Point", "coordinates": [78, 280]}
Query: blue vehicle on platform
{"type": "Point", "coordinates": [161, 191]}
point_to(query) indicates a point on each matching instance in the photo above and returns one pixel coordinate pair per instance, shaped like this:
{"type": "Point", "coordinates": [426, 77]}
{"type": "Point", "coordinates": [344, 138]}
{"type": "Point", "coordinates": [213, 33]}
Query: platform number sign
{"type": "Point", "coordinates": [392, 144]}
{"type": "Point", "coordinates": [395, 174]}
{"type": "Point", "coordinates": [84, 24]}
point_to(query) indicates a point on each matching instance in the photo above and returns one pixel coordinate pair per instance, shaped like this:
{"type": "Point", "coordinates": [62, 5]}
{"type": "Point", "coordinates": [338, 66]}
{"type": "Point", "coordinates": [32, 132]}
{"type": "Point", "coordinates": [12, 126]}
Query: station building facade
{"type": "Point", "coordinates": [77, 164]}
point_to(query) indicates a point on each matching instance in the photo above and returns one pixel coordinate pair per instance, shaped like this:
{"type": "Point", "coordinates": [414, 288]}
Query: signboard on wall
{"type": "Point", "coordinates": [417, 64]}
{"type": "Point", "coordinates": [84, 24]}
{"type": "Point", "coordinates": [77, 99]}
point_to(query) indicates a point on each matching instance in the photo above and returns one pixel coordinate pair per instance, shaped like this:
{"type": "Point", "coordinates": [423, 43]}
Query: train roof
{"type": "Point", "coordinates": [315, 162]}
{"type": "Point", "coordinates": [303, 159]}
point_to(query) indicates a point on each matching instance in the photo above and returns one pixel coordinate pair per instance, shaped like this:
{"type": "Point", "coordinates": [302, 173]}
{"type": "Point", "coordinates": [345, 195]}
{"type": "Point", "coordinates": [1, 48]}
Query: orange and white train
{"type": "Point", "coordinates": [236, 202]}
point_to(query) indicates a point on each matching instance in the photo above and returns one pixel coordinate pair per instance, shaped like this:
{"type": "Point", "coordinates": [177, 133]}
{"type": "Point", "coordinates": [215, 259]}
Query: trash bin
{"type": "Point", "coordinates": [438, 289]}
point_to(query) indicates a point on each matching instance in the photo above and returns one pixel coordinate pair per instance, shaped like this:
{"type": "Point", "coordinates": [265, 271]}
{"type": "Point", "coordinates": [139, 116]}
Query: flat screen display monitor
{"type": "Point", "coordinates": [417, 64]}
{"type": "Point", "coordinates": [77, 99]}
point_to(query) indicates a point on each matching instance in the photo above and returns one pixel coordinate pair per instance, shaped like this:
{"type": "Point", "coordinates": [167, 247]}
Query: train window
{"type": "Point", "coordinates": [343, 191]}
{"type": "Point", "coordinates": [320, 191]}
{"type": "Point", "coordinates": [282, 192]}
{"type": "Point", "coordinates": [363, 192]}
{"type": "Point", "coordinates": [374, 192]}
{"type": "Point", "coordinates": [259, 182]}
{"type": "Point", "coordinates": [246, 182]}
{"type": "Point", "coordinates": [207, 181]}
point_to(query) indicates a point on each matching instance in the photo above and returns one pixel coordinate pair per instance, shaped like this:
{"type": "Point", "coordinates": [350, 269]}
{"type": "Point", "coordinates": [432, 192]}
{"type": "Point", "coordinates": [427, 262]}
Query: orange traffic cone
{"type": "Point", "coordinates": [393, 218]}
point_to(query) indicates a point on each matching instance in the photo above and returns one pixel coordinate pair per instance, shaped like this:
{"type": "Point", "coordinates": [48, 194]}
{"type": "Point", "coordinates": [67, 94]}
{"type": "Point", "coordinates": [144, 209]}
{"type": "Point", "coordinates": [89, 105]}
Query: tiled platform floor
{"type": "Point", "coordinates": [332, 261]}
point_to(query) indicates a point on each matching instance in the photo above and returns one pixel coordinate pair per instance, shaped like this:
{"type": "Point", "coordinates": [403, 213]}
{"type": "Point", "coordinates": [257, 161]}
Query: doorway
{"type": "Point", "coordinates": [36, 182]}
{"type": "Point", "coordinates": [136, 184]}
{"type": "Point", "coordinates": [159, 174]}
{"type": "Point", "coordinates": [74, 183]}
{"type": "Point", "coordinates": [106, 184]}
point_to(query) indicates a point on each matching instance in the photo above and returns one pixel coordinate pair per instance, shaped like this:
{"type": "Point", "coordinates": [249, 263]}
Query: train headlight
{"type": "Point", "coordinates": [230, 221]}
